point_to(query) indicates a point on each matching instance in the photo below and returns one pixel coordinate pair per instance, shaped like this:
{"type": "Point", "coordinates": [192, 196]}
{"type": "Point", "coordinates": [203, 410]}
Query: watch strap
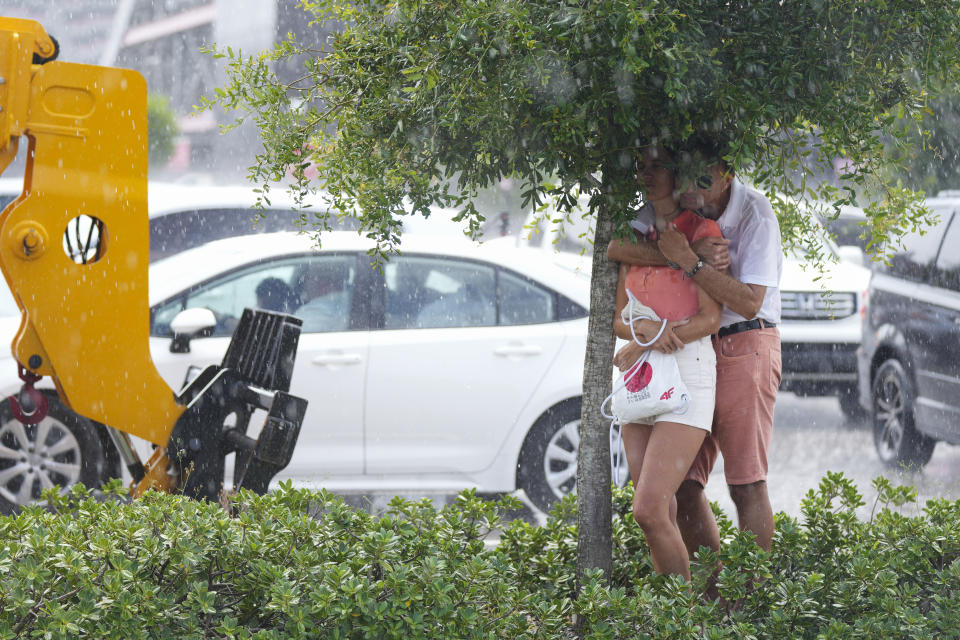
{"type": "Point", "coordinates": [695, 269]}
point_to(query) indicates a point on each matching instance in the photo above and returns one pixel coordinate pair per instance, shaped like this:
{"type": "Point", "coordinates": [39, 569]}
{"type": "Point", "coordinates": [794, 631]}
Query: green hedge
{"type": "Point", "coordinates": [300, 564]}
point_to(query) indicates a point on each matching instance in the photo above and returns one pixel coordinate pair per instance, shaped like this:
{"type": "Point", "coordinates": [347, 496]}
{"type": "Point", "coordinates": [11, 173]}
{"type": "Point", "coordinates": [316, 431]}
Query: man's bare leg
{"type": "Point", "coordinates": [754, 512]}
{"type": "Point", "coordinates": [695, 518]}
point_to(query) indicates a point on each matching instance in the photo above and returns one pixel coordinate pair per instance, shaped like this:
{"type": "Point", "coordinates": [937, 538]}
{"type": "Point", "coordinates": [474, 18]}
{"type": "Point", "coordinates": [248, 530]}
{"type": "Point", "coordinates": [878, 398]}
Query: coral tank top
{"type": "Point", "coordinates": [667, 291]}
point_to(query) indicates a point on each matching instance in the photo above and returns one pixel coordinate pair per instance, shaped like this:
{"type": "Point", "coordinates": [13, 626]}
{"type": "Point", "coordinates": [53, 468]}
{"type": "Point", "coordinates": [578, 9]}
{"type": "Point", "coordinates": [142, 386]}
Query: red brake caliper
{"type": "Point", "coordinates": [27, 392]}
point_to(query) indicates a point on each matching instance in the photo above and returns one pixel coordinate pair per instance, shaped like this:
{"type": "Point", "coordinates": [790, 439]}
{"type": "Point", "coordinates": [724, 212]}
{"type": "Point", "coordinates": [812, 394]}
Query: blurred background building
{"type": "Point", "coordinates": [163, 40]}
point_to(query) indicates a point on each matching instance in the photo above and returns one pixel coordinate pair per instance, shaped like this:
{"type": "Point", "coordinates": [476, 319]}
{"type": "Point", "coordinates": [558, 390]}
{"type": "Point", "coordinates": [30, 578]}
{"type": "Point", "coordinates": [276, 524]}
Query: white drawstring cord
{"type": "Point", "coordinates": [617, 452]}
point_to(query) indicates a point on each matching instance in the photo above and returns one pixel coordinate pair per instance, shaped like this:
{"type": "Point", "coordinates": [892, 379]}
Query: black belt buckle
{"type": "Point", "coordinates": [746, 325]}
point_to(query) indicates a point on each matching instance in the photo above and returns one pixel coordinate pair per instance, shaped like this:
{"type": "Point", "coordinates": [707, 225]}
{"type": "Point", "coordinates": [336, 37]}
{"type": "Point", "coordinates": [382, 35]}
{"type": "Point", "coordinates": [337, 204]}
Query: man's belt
{"type": "Point", "coordinates": [746, 325]}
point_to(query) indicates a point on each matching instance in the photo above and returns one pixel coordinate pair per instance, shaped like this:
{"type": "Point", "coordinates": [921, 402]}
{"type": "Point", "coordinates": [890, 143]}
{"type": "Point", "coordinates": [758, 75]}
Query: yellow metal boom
{"type": "Point", "coordinates": [86, 314]}
{"type": "Point", "coordinates": [85, 325]}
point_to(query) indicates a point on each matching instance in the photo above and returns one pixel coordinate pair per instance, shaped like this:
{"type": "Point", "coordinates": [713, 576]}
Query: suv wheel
{"type": "Point", "coordinates": [894, 434]}
{"type": "Point", "coordinates": [547, 469]}
{"type": "Point", "coordinates": [61, 450]}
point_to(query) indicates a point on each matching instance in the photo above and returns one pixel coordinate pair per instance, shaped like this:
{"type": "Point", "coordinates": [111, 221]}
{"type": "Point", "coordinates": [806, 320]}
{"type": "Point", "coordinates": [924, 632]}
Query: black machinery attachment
{"type": "Point", "coordinates": [255, 374]}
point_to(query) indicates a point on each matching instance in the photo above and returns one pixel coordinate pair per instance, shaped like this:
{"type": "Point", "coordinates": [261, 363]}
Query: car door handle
{"type": "Point", "coordinates": [519, 350]}
{"type": "Point", "coordinates": [327, 359]}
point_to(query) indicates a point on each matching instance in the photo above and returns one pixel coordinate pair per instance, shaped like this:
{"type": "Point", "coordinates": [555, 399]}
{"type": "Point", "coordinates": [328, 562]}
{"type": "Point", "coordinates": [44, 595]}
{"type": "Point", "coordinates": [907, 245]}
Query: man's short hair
{"type": "Point", "coordinates": [274, 294]}
{"type": "Point", "coordinates": [711, 148]}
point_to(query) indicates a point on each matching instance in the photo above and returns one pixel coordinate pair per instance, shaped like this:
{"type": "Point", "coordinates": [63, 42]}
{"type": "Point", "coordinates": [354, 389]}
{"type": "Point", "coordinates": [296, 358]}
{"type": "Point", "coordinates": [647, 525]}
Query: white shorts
{"type": "Point", "coordinates": [697, 362]}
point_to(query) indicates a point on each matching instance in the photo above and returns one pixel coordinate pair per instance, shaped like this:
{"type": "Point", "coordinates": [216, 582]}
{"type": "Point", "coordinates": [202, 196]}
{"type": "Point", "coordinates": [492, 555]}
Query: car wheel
{"type": "Point", "coordinates": [61, 450]}
{"type": "Point", "coordinates": [894, 433]}
{"type": "Point", "coordinates": [547, 469]}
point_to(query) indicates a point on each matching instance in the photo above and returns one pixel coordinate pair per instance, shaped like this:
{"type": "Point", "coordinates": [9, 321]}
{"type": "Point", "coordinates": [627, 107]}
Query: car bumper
{"type": "Point", "coordinates": [864, 365]}
{"type": "Point", "coordinates": [818, 368]}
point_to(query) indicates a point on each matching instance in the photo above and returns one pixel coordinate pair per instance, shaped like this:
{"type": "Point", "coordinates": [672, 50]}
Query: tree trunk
{"type": "Point", "coordinates": [594, 517]}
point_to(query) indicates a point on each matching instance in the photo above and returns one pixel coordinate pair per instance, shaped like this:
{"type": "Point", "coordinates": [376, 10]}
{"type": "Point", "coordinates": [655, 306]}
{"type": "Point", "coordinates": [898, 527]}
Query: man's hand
{"type": "Point", "coordinates": [675, 248]}
{"type": "Point", "coordinates": [714, 250]}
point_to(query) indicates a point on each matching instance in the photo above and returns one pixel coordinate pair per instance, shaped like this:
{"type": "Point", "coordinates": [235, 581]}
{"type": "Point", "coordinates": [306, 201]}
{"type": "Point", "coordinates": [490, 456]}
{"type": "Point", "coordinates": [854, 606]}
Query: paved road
{"type": "Point", "coordinates": [811, 437]}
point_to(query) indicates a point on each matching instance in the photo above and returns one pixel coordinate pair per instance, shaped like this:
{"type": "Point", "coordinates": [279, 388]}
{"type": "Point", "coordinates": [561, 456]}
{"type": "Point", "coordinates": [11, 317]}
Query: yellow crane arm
{"type": "Point", "coordinates": [86, 317]}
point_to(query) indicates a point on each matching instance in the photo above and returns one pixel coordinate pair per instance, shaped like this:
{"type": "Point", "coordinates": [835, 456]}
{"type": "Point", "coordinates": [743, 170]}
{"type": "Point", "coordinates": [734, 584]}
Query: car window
{"type": "Point", "coordinates": [424, 293]}
{"type": "Point", "coordinates": [317, 289]}
{"type": "Point", "coordinates": [947, 271]}
{"type": "Point", "coordinates": [523, 302]}
{"type": "Point", "coordinates": [919, 249]}
{"type": "Point", "coordinates": [229, 295]}
{"type": "Point", "coordinates": [324, 287]}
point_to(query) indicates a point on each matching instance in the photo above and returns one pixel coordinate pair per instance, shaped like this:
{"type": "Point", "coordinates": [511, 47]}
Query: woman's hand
{"type": "Point", "coordinates": [646, 329]}
{"type": "Point", "coordinates": [669, 342]}
{"type": "Point", "coordinates": [627, 356]}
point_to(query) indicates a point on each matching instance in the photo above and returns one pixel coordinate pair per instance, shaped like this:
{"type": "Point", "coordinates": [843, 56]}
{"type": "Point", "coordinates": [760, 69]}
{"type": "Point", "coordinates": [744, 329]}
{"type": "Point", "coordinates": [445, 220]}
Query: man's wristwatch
{"type": "Point", "coordinates": [696, 268]}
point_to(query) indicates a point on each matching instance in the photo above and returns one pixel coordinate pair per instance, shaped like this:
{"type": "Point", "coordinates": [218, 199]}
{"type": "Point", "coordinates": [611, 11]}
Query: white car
{"type": "Point", "coordinates": [821, 328]}
{"type": "Point", "coordinates": [456, 366]}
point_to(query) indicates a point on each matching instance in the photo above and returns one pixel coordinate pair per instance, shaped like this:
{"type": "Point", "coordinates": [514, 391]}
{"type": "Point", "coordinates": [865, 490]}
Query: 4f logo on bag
{"type": "Point", "coordinates": [666, 395]}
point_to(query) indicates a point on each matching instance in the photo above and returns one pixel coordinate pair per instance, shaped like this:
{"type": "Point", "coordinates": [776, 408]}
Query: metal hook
{"type": "Point", "coordinates": [36, 399]}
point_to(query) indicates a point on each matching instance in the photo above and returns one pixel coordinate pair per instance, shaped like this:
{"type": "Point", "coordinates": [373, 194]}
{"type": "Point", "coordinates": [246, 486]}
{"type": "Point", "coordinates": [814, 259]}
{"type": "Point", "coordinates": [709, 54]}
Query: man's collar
{"type": "Point", "coordinates": [734, 210]}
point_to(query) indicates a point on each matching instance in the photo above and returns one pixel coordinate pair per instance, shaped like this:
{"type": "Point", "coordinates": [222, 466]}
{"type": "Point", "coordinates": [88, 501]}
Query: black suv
{"type": "Point", "coordinates": [909, 360]}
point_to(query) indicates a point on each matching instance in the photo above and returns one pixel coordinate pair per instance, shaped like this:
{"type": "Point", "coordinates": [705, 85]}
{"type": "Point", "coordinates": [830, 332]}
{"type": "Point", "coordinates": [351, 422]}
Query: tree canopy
{"type": "Point", "coordinates": [561, 95]}
{"type": "Point", "coordinates": [412, 105]}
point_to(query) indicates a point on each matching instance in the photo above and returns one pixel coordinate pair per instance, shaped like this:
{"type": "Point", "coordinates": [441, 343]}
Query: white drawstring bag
{"type": "Point", "coordinates": [652, 386]}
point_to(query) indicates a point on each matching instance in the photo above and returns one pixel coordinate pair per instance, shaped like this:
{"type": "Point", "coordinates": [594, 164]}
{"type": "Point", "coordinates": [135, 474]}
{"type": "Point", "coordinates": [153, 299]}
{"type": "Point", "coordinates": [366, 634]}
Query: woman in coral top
{"type": "Point", "coordinates": [660, 452]}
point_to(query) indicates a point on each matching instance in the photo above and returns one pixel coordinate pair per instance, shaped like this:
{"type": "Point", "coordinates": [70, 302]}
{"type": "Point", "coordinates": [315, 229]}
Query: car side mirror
{"type": "Point", "coordinates": [190, 324]}
{"type": "Point", "coordinates": [852, 254]}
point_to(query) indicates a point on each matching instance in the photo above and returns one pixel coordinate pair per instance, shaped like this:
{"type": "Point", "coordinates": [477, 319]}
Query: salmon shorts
{"type": "Point", "coordinates": [748, 377]}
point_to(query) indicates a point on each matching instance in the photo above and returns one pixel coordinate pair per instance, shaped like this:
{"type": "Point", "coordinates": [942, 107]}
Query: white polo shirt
{"type": "Point", "coordinates": [756, 254]}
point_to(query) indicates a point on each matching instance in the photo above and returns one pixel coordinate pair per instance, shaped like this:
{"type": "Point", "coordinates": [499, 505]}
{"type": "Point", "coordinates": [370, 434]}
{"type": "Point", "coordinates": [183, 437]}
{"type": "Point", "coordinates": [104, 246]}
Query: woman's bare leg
{"type": "Point", "coordinates": [668, 454]}
{"type": "Point", "coordinates": [635, 438]}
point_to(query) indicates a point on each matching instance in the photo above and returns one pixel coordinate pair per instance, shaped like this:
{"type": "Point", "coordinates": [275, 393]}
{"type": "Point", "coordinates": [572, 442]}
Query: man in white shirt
{"type": "Point", "coordinates": [742, 272]}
